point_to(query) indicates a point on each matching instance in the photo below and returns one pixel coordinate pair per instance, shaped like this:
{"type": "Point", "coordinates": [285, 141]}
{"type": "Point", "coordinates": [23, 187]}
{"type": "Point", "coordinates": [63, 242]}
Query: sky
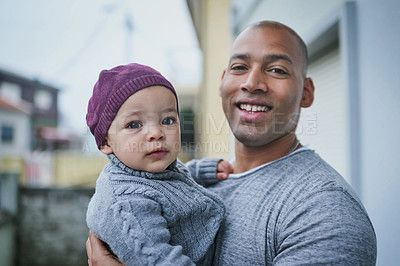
{"type": "Point", "coordinates": [66, 43]}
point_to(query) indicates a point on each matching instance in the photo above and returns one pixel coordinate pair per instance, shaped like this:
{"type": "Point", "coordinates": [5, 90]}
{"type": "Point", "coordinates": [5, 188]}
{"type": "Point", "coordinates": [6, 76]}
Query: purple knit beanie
{"type": "Point", "coordinates": [113, 88]}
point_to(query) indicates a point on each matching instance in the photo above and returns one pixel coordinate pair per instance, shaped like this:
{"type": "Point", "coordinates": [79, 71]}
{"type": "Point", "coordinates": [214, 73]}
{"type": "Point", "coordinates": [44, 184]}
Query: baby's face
{"type": "Point", "coordinates": [145, 133]}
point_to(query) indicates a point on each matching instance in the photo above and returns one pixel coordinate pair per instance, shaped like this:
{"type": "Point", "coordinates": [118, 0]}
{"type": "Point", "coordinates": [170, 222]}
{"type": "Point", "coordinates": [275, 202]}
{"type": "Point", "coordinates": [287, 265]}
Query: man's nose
{"type": "Point", "coordinates": [255, 81]}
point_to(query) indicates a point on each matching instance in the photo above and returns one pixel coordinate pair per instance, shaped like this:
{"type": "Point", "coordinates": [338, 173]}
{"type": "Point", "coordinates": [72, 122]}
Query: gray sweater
{"type": "Point", "coordinates": [296, 210]}
{"type": "Point", "coordinates": [156, 218]}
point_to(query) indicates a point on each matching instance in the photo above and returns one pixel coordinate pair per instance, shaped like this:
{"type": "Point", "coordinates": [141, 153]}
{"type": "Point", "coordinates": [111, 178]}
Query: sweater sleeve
{"type": "Point", "coordinates": [204, 171]}
{"type": "Point", "coordinates": [329, 227]}
{"type": "Point", "coordinates": [139, 235]}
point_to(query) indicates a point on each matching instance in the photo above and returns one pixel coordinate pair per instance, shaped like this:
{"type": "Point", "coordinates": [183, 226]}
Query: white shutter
{"type": "Point", "coordinates": [323, 126]}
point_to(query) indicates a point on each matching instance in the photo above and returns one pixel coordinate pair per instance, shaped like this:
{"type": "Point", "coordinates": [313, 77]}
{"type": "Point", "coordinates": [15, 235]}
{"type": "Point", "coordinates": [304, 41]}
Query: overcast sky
{"type": "Point", "coordinates": [66, 43]}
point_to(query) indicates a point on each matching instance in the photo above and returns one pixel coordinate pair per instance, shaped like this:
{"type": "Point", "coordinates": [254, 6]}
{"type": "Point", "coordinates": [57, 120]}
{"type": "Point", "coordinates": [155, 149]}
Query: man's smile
{"type": "Point", "coordinates": [253, 108]}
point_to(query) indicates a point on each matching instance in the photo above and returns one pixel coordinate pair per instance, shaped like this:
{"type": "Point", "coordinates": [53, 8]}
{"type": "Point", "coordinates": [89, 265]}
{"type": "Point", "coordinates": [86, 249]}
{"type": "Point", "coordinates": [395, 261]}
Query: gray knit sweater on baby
{"type": "Point", "coordinates": [296, 210]}
{"type": "Point", "coordinates": [161, 218]}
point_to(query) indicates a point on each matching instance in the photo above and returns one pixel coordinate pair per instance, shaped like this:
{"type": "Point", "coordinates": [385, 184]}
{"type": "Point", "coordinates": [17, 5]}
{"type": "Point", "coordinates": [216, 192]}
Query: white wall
{"type": "Point", "coordinates": [379, 44]}
{"type": "Point", "coordinates": [22, 132]}
{"type": "Point", "coordinates": [303, 16]}
{"type": "Point", "coordinates": [323, 126]}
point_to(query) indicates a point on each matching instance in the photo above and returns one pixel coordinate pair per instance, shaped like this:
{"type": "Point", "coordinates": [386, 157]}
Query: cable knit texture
{"type": "Point", "coordinates": [155, 218]}
{"type": "Point", "coordinates": [204, 171]}
{"type": "Point", "coordinates": [296, 210]}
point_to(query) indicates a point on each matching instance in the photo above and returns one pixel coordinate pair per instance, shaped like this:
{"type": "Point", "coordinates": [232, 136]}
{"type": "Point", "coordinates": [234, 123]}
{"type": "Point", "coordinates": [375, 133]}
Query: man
{"type": "Point", "coordinates": [285, 205]}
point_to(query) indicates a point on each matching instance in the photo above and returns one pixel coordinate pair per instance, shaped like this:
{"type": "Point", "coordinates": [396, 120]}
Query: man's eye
{"type": "Point", "coordinates": [278, 71]}
{"type": "Point", "coordinates": [238, 67]}
{"type": "Point", "coordinates": [134, 124]}
{"type": "Point", "coordinates": [168, 121]}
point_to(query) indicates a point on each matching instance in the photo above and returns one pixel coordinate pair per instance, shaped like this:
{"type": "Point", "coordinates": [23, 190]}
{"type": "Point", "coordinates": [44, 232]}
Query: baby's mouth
{"type": "Point", "coordinates": [158, 151]}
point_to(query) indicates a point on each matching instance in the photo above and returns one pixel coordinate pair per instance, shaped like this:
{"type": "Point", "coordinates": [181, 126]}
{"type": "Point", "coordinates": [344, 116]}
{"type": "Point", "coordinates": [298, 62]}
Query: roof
{"type": "Point", "coordinates": [19, 79]}
{"type": "Point", "coordinates": [20, 107]}
{"type": "Point", "coordinates": [54, 134]}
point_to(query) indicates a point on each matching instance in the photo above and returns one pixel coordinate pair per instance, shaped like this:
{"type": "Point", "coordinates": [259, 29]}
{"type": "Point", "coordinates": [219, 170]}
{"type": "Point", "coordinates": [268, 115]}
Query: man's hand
{"type": "Point", "coordinates": [224, 168]}
{"type": "Point", "coordinates": [97, 253]}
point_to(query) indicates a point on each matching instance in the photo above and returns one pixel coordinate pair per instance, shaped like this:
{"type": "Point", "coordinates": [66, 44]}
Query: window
{"type": "Point", "coordinates": [7, 134]}
{"type": "Point", "coordinates": [43, 99]}
{"type": "Point", "coordinates": [187, 134]}
{"type": "Point", "coordinates": [10, 91]}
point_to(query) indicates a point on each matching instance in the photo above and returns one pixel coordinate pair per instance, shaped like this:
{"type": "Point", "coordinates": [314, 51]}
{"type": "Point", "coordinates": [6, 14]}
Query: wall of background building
{"type": "Point", "coordinates": [212, 134]}
{"type": "Point", "coordinates": [20, 123]}
{"type": "Point", "coordinates": [379, 68]}
{"type": "Point", "coordinates": [323, 126]}
{"type": "Point", "coordinates": [302, 16]}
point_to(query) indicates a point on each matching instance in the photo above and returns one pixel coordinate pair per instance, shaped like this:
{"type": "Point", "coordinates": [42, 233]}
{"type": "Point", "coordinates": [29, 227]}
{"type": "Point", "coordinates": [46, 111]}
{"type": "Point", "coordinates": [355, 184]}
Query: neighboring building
{"type": "Point", "coordinates": [15, 125]}
{"type": "Point", "coordinates": [29, 131]}
{"type": "Point", "coordinates": [29, 115]}
{"type": "Point", "coordinates": [211, 21]}
{"type": "Point", "coordinates": [355, 67]}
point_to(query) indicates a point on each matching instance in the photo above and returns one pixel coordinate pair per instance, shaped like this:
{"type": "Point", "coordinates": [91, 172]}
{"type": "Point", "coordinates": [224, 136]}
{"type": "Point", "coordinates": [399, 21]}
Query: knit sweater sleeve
{"type": "Point", "coordinates": [204, 171]}
{"type": "Point", "coordinates": [329, 227]}
{"type": "Point", "coordinates": [139, 234]}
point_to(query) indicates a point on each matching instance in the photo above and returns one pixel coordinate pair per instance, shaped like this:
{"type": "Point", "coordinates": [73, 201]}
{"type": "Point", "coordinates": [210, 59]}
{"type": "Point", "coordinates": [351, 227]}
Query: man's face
{"type": "Point", "coordinates": [262, 87]}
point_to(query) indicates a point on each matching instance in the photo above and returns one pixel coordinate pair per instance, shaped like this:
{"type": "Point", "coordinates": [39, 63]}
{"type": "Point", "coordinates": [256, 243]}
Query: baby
{"type": "Point", "coordinates": [147, 207]}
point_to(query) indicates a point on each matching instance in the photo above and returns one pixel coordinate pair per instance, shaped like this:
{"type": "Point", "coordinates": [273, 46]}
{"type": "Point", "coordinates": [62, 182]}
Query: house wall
{"type": "Point", "coordinates": [39, 98]}
{"type": "Point", "coordinates": [379, 68]}
{"type": "Point", "coordinates": [323, 126]}
{"type": "Point", "coordinates": [22, 128]}
{"type": "Point", "coordinates": [212, 132]}
{"type": "Point", "coordinates": [304, 16]}
{"type": "Point", "coordinates": [29, 90]}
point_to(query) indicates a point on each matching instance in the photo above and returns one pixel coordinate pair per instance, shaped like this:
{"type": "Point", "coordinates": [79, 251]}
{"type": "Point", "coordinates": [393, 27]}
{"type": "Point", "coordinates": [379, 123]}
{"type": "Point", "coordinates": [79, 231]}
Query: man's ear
{"type": "Point", "coordinates": [308, 93]}
{"type": "Point", "coordinates": [105, 148]}
{"type": "Point", "coordinates": [222, 77]}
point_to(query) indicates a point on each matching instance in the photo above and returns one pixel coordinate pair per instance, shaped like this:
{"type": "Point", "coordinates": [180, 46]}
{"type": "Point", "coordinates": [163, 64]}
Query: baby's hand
{"type": "Point", "coordinates": [224, 168]}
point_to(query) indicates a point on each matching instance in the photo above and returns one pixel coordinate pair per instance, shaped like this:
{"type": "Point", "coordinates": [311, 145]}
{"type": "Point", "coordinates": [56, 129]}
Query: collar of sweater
{"type": "Point", "coordinates": [166, 174]}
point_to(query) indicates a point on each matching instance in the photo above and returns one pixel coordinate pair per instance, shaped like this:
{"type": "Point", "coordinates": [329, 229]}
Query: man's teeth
{"type": "Point", "coordinates": [253, 108]}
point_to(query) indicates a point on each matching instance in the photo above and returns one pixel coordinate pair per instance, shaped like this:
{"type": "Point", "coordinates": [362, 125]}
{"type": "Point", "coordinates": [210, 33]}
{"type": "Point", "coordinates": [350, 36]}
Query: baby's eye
{"type": "Point", "coordinates": [168, 121]}
{"type": "Point", "coordinates": [134, 124]}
